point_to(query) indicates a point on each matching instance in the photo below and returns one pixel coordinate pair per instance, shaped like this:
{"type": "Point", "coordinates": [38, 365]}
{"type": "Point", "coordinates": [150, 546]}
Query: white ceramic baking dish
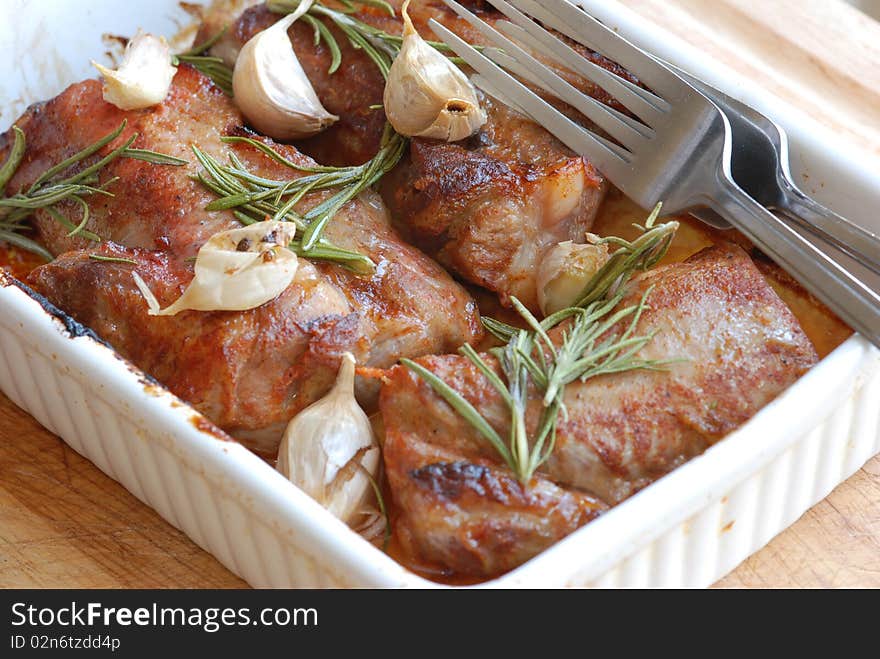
{"type": "Point", "coordinates": [688, 529]}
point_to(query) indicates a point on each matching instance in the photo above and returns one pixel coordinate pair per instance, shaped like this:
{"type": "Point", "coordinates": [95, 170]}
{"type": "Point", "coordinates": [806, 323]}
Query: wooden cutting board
{"type": "Point", "coordinates": [65, 524]}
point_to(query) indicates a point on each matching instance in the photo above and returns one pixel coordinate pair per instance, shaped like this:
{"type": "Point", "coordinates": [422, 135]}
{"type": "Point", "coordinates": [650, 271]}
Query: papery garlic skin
{"type": "Point", "coordinates": [426, 95]}
{"type": "Point", "coordinates": [235, 270]}
{"type": "Point", "coordinates": [565, 271]}
{"type": "Point", "coordinates": [329, 450]}
{"type": "Point", "coordinates": [272, 90]}
{"type": "Point", "coordinates": [144, 76]}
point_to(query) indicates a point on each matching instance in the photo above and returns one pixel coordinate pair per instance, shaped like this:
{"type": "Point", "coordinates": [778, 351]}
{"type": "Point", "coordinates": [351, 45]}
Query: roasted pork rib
{"type": "Point", "coordinates": [487, 208]}
{"type": "Point", "coordinates": [248, 371]}
{"type": "Point", "coordinates": [739, 346]}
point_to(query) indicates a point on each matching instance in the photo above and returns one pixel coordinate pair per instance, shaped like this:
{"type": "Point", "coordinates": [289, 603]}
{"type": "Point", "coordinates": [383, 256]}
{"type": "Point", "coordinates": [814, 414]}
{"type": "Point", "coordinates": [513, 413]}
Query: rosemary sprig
{"type": "Point", "coordinates": [13, 237]}
{"type": "Point", "coordinates": [254, 198]}
{"type": "Point", "coordinates": [531, 363]}
{"type": "Point", "coordinates": [641, 254]}
{"type": "Point", "coordinates": [213, 67]}
{"type": "Point", "coordinates": [380, 46]}
{"type": "Point", "coordinates": [47, 191]}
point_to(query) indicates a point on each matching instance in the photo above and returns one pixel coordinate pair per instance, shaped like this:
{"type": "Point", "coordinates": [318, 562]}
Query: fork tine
{"type": "Point", "coordinates": [640, 102]}
{"type": "Point", "coordinates": [479, 80]}
{"type": "Point", "coordinates": [627, 131]}
{"type": "Point", "coordinates": [607, 157]}
{"type": "Point", "coordinates": [575, 23]}
{"type": "Point", "coordinates": [491, 88]}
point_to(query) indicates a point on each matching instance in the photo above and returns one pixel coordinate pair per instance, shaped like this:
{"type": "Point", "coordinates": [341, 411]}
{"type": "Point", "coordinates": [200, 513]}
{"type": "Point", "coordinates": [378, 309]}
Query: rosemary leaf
{"type": "Point", "coordinates": [93, 169]}
{"type": "Point", "coordinates": [14, 238]}
{"type": "Point", "coordinates": [277, 157]}
{"type": "Point", "coordinates": [47, 197]}
{"type": "Point", "coordinates": [111, 259]}
{"type": "Point", "coordinates": [13, 160]}
{"type": "Point", "coordinates": [325, 251]}
{"type": "Point", "coordinates": [322, 33]}
{"type": "Point", "coordinates": [485, 369]}
{"type": "Point", "coordinates": [461, 405]}
{"type": "Point", "coordinates": [532, 322]}
{"type": "Point", "coordinates": [85, 217]}
{"type": "Point", "coordinates": [154, 158]}
{"type": "Point", "coordinates": [78, 157]}
{"type": "Point", "coordinates": [67, 224]}
{"type": "Point", "coordinates": [501, 331]}
{"type": "Point", "coordinates": [200, 49]}
{"type": "Point", "coordinates": [213, 67]}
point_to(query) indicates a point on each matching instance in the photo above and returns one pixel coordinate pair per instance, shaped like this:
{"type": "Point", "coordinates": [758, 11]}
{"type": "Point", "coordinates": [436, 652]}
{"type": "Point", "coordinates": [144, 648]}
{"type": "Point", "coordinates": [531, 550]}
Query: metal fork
{"type": "Point", "coordinates": [678, 153]}
{"type": "Point", "coordinates": [760, 166]}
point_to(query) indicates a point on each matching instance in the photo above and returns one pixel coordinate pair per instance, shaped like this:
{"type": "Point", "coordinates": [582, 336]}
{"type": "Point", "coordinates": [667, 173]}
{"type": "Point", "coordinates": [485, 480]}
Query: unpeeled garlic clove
{"type": "Point", "coordinates": [564, 272]}
{"type": "Point", "coordinates": [426, 95]}
{"type": "Point", "coordinates": [235, 270]}
{"type": "Point", "coordinates": [329, 451]}
{"type": "Point", "coordinates": [144, 76]}
{"type": "Point", "coordinates": [271, 88]}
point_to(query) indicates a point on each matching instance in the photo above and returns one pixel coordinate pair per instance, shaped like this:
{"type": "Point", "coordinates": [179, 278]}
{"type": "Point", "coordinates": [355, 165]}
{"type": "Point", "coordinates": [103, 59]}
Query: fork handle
{"type": "Point", "coordinates": [861, 244]}
{"type": "Point", "coordinates": [825, 277]}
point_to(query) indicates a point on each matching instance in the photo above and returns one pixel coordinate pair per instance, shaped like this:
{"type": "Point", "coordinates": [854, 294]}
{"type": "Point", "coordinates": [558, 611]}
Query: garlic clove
{"type": "Point", "coordinates": [564, 272]}
{"type": "Point", "coordinates": [144, 76]}
{"type": "Point", "coordinates": [271, 88]}
{"type": "Point", "coordinates": [235, 270]}
{"type": "Point", "coordinates": [329, 450]}
{"type": "Point", "coordinates": [426, 95]}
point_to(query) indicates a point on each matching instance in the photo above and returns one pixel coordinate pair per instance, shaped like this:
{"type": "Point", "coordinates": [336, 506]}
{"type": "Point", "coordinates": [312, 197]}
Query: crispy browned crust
{"type": "Point", "coordinates": [246, 371]}
{"type": "Point", "coordinates": [149, 201]}
{"type": "Point", "coordinates": [409, 306]}
{"type": "Point", "coordinates": [739, 346]}
{"type": "Point", "coordinates": [473, 517]}
{"type": "Point", "coordinates": [488, 208]}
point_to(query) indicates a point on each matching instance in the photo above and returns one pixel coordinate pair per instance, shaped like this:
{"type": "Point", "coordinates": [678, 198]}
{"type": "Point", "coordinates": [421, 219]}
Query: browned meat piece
{"type": "Point", "coordinates": [410, 306]}
{"type": "Point", "coordinates": [472, 516]}
{"type": "Point", "coordinates": [154, 207]}
{"type": "Point", "coordinates": [491, 207]}
{"type": "Point", "coordinates": [487, 208]}
{"type": "Point", "coordinates": [740, 346]}
{"type": "Point", "coordinates": [249, 372]}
